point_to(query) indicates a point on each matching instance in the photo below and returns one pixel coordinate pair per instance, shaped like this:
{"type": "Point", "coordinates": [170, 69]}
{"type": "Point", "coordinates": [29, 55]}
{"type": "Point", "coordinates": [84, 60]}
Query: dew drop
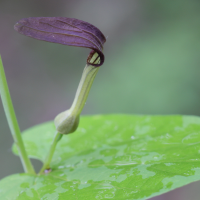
{"type": "Point", "coordinates": [61, 174]}
{"type": "Point", "coordinates": [132, 137]}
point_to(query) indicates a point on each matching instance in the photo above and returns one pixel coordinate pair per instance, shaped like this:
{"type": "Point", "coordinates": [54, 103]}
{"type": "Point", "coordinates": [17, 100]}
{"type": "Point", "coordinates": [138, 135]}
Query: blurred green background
{"type": "Point", "coordinates": [152, 65]}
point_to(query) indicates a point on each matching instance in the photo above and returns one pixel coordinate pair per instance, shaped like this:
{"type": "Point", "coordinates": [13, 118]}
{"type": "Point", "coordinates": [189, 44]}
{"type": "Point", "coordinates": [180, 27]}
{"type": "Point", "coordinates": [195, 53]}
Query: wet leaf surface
{"type": "Point", "coordinates": [112, 157]}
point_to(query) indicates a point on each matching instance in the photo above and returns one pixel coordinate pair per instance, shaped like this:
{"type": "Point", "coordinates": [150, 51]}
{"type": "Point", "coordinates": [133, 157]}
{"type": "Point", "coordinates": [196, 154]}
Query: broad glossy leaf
{"type": "Point", "coordinates": [112, 156]}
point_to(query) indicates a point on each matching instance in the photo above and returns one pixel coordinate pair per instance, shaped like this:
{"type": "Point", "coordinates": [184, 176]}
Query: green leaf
{"type": "Point", "coordinates": [112, 156]}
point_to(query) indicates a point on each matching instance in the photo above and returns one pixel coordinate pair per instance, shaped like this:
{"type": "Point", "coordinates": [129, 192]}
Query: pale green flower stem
{"type": "Point", "coordinates": [12, 121]}
{"type": "Point", "coordinates": [67, 122]}
{"type": "Point", "coordinates": [49, 156]}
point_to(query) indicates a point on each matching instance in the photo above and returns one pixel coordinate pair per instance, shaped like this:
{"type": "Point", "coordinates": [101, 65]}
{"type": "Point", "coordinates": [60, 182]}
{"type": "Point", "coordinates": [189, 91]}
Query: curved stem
{"type": "Point", "coordinates": [67, 122]}
{"type": "Point", "coordinates": [48, 159]}
{"type": "Point", "coordinates": [12, 121]}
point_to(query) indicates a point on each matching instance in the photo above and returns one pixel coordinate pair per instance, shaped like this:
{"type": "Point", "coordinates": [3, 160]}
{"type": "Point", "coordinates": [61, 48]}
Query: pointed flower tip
{"type": "Point", "coordinates": [66, 31]}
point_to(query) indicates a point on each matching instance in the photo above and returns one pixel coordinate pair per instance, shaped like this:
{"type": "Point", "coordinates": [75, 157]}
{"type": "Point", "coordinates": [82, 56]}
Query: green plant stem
{"type": "Point", "coordinates": [67, 122]}
{"type": "Point", "coordinates": [12, 121]}
{"type": "Point", "coordinates": [85, 84]}
{"type": "Point", "coordinates": [48, 159]}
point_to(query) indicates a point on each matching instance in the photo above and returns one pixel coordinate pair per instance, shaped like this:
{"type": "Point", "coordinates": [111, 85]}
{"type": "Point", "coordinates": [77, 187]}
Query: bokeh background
{"type": "Point", "coordinates": [152, 65]}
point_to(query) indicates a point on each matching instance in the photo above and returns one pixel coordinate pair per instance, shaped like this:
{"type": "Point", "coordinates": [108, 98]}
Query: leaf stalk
{"type": "Point", "coordinates": [12, 121]}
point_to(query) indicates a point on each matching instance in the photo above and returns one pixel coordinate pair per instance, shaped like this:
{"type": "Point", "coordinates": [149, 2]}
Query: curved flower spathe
{"type": "Point", "coordinates": [66, 31]}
